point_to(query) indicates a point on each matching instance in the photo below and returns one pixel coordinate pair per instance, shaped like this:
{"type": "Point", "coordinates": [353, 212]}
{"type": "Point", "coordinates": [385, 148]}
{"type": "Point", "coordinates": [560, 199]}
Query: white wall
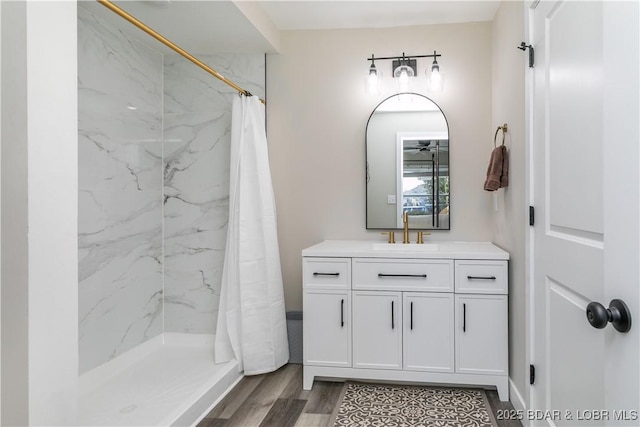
{"type": "Point", "coordinates": [316, 117]}
{"type": "Point", "coordinates": [0, 211]}
{"type": "Point", "coordinates": [39, 206]}
{"type": "Point", "coordinates": [510, 226]}
{"type": "Point", "coordinates": [14, 216]}
{"type": "Point", "coordinates": [621, 137]}
{"type": "Point", "coordinates": [53, 211]}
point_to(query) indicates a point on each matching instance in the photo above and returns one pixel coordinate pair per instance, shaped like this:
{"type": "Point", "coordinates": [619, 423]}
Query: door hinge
{"type": "Point", "coordinates": [532, 374]}
{"type": "Point", "coordinates": [523, 46]}
{"type": "Point", "coordinates": [532, 216]}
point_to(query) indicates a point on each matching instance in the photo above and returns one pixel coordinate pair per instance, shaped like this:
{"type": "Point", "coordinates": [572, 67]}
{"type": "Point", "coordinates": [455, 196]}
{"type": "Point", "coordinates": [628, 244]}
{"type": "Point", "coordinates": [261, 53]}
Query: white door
{"type": "Point", "coordinates": [428, 331]}
{"type": "Point", "coordinates": [585, 176]}
{"type": "Point", "coordinates": [377, 330]}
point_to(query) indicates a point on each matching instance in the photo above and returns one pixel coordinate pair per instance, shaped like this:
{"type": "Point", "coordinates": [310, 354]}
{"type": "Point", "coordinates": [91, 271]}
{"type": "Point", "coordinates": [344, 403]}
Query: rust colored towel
{"type": "Point", "coordinates": [498, 170]}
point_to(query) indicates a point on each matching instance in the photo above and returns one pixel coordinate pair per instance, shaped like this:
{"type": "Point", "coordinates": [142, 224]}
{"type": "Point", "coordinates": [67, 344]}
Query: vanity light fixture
{"type": "Point", "coordinates": [404, 69]}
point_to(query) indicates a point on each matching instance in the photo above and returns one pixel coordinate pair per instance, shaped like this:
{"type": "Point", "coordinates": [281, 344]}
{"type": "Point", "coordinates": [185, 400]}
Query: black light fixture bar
{"type": "Point", "coordinates": [406, 57]}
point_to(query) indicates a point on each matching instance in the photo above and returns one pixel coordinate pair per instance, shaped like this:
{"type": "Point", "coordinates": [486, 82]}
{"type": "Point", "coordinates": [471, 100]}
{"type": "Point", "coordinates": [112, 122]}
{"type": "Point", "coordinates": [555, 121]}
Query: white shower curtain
{"type": "Point", "coordinates": [251, 317]}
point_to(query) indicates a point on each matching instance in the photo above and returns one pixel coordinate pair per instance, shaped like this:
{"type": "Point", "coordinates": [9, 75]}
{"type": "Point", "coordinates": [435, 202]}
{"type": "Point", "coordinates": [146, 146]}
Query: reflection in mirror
{"type": "Point", "coordinates": [407, 143]}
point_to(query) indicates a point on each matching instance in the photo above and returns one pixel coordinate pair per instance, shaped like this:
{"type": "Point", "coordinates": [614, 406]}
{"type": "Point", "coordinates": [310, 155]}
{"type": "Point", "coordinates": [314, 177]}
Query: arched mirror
{"type": "Point", "coordinates": [407, 150]}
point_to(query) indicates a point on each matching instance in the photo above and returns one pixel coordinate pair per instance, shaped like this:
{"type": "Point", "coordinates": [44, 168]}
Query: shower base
{"type": "Point", "coordinates": [169, 380]}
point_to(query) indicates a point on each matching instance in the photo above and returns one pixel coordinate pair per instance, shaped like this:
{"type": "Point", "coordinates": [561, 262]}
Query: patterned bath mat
{"type": "Point", "coordinates": [405, 406]}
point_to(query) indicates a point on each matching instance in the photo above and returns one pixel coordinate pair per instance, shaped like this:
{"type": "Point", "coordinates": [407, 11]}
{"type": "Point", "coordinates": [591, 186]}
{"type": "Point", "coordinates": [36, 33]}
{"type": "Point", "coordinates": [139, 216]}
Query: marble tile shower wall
{"type": "Point", "coordinates": [197, 127]}
{"type": "Point", "coordinates": [120, 191]}
{"type": "Point", "coordinates": [154, 135]}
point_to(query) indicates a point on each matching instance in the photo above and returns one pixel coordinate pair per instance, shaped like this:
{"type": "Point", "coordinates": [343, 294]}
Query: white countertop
{"type": "Point", "coordinates": [431, 249]}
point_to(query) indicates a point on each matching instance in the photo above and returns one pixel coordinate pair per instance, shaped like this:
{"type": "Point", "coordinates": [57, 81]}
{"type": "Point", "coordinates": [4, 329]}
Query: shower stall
{"type": "Point", "coordinates": [153, 184]}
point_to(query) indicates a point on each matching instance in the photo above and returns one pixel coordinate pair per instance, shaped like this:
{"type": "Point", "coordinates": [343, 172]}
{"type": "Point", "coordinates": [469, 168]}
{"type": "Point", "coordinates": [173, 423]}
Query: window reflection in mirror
{"type": "Point", "coordinates": [407, 144]}
{"type": "Point", "coordinates": [424, 178]}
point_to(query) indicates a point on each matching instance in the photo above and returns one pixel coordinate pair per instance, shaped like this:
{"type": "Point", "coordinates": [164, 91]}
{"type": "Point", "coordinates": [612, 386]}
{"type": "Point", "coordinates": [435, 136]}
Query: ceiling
{"type": "Point", "coordinates": [250, 26]}
{"type": "Point", "coordinates": [312, 15]}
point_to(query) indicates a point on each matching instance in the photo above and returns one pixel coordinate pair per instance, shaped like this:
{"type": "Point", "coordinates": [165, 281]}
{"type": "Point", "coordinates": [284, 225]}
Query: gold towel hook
{"type": "Point", "coordinates": [504, 129]}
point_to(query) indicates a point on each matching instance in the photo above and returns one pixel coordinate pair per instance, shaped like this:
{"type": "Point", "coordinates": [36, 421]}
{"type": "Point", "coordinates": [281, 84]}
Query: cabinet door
{"type": "Point", "coordinates": [428, 343]}
{"type": "Point", "coordinates": [377, 330]}
{"type": "Point", "coordinates": [327, 328]}
{"type": "Point", "coordinates": [481, 334]}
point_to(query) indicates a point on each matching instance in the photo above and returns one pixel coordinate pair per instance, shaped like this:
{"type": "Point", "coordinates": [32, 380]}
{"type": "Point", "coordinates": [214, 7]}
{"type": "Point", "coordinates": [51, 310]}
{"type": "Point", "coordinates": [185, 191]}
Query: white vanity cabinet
{"type": "Point", "coordinates": [432, 314]}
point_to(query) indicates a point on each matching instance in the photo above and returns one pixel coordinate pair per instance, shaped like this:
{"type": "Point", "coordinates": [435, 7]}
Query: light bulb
{"type": "Point", "coordinates": [403, 73]}
{"type": "Point", "coordinates": [372, 81]}
{"type": "Point", "coordinates": [436, 78]}
{"type": "Point", "coordinates": [436, 81]}
{"type": "Point", "coordinates": [403, 81]}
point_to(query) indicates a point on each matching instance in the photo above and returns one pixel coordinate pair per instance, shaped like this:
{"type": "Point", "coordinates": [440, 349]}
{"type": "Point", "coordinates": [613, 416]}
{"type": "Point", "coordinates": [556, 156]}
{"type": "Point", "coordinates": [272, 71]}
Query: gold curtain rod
{"type": "Point", "coordinates": [141, 25]}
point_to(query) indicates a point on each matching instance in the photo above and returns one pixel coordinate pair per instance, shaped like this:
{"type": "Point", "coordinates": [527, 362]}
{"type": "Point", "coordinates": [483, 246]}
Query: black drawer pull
{"type": "Point", "coordinates": [342, 313]}
{"type": "Point", "coordinates": [464, 317]}
{"type": "Point", "coordinates": [424, 276]}
{"type": "Point", "coordinates": [326, 274]}
{"type": "Point", "coordinates": [393, 325]}
{"type": "Point", "coordinates": [481, 277]}
{"type": "Point", "coordinates": [411, 305]}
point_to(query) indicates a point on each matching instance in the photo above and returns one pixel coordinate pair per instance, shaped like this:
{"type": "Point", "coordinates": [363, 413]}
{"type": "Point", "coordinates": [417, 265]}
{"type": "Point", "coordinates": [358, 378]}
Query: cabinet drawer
{"type": "Point", "coordinates": [326, 273]}
{"type": "Point", "coordinates": [481, 277]}
{"type": "Point", "coordinates": [406, 274]}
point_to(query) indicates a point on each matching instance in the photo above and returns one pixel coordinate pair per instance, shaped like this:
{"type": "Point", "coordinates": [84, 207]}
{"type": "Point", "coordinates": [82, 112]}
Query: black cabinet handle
{"type": "Point", "coordinates": [481, 277]}
{"type": "Point", "coordinates": [464, 317]}
{"type": "Point", "coordinates": [424, 276]}
{"type": "Point", "coordinates": [326, 274]}
{"type": "Point", "coordinates": [411, 320]}
{"type": "Point", "coordinates": [393, 325]}
{"type": "Point", "coordinates": [342, 313]}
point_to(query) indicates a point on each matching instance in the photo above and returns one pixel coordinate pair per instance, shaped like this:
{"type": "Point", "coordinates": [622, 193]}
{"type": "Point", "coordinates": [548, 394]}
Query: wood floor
{"type": "Point", "coordinates": [277, 399]}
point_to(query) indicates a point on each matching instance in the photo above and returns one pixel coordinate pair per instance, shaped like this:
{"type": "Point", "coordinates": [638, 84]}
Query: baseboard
{"type": "Point", "coordinates": [518, 402]}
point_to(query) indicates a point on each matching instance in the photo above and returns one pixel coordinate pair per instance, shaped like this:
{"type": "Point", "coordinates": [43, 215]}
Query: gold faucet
{"type": "Point", "coordinates": [405, 220]}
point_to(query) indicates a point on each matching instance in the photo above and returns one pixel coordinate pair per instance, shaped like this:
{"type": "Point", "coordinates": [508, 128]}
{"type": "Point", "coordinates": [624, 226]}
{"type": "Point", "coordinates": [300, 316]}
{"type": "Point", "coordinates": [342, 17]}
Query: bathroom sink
{"type": "Point", "coordinates": [409, 247]}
